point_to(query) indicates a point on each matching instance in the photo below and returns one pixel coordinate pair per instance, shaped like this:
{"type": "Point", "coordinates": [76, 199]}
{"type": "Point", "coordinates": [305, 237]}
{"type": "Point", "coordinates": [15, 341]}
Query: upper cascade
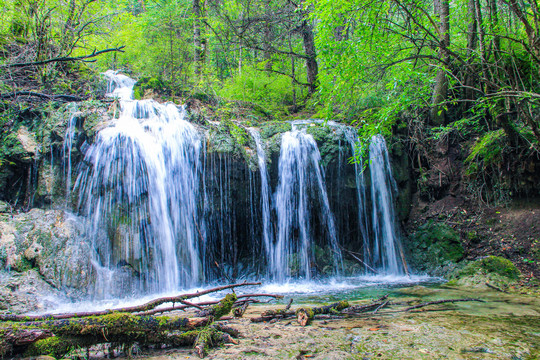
{"type": "Point", "coordinates": [139, 187]}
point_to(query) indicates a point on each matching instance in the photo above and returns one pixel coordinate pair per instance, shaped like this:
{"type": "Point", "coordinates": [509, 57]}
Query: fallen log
{"type": "Point", "coordinates": [56, 337]}
{"type": "Point", "coordinates": [304, 316]}
{"type": "Point", "coordinates": [240, 310]}
{"type": "Point", "coordinates": [279, 314]}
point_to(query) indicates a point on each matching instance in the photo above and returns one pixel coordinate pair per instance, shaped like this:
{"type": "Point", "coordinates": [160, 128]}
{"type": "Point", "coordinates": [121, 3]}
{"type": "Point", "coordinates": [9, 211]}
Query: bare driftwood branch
{"type": "Point", "coordinates": [66, 98]}
{"type": "Point", "coordinates": [279, 314]}
{"type": "Point", "coordinates": [440, 302]}
{"type": "Point", "coordinates": [64, 58]}
{"type": "Point", "coordinates": [130, 309]}
{"type": "Point", "coordinates": [381, 306]}
{"type": "Point", "coordinates": [496, 288]}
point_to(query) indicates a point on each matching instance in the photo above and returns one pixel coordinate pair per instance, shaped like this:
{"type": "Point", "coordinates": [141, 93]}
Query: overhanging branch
{"type": "Point", "coordinates": [64, 58]}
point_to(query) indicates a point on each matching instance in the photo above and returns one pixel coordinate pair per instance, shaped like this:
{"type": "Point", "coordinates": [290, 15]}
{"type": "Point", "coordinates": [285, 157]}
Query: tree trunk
{"type": "Point", "coordinates": [442, 9]}
{"type": "Point", "coordinates": [472, 43]}
{"type": "Point", "coordinates": [267, 38]}
{"type": "Point", "coordinates": [198, 44]}
{"type": "Point", "coordinates": [311, 60]}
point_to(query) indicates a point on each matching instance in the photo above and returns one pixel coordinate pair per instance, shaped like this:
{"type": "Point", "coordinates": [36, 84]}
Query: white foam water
{"type": "Point", "coordinates": [139, 189]}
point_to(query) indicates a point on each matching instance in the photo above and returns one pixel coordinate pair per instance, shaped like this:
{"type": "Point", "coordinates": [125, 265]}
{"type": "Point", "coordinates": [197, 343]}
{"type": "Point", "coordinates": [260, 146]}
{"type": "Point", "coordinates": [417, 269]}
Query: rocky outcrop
{"type": "Point", "coordinates": [48, 247]}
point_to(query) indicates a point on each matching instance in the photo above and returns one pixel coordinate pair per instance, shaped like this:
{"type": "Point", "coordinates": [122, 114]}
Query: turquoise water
{"type": "Point", "coordinates": [313, 291]}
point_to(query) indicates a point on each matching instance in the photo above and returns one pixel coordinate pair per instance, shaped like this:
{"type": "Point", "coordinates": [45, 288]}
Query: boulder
{"type": "Point", "coordinates": [51, 243]}
{"type": "Point", "coordinates": [28, 142]}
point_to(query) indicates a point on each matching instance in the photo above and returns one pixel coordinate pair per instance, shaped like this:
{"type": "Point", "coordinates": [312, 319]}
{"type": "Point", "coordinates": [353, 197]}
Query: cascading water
{"type": "Point", "coordinates": [157, 224]}
{"type": "Point", "coordinates": [386, 248]}
{"type": "Point", "coordinates": [265, 194]}
{"type": "Point", "coordinates": [299, 175]}
{"type": "Point", "coordinates": [139, 187]}
{"type": "Point", "coordinates": [67, 147]}
{"type": "Point", "coordinates": [363, 225]}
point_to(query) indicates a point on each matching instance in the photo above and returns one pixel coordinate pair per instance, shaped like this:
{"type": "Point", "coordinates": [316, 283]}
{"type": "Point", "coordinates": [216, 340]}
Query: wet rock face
{"type": "Point", "coordinates": [38, 240]}
{"type": "Point", "coordinates": [50, 243]}
{"type": "Point", "coordinates": [434, 248]}
{"type": "Point", "coordinates": [26, 291]}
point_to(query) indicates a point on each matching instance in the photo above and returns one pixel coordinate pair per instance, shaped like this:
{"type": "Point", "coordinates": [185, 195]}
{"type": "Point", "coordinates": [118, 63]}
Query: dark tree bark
{"type": "Point", "coordinates": [442, 9]}
{"type": "Point", "coordinates": [311, 56]}
{"type": "Point", "coordinates": [472, 44]}
{"type": "Point", "coordinates": [198, 43]}
{"type": "Point", "coordinates": [267, 38]}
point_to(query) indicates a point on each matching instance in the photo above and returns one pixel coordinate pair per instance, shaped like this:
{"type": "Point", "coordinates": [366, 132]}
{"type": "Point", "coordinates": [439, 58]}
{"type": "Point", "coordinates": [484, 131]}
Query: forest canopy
{"type": "Point", "coordinates": [470, 65]}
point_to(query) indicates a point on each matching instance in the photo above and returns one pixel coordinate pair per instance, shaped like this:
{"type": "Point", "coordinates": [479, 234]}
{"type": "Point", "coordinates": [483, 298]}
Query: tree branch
{"type": "Point", "coordinates": [64, 58]}
{"type": "Point", "coordinates": [130, 309]}
{"type": "Point", "coordinates": [66, 98]}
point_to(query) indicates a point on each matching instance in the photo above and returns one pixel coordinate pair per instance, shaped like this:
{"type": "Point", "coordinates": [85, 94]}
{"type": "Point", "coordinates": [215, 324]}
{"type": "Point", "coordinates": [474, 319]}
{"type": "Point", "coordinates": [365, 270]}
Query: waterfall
{"type": "Point", "coordinates": [167, 210]}
{"type": "Point", "coordinates": [67, 147]}
{"type": "Point", "coordinates": [139, 187]}
{"type": "Point", "coordinates": [386, 243]}
{"type": "Point", "coordinates": [352, 138]}
{"type": "Point", "coordinates": [265, 194]}
{"type": "Point", "coordinates": [299, 175]}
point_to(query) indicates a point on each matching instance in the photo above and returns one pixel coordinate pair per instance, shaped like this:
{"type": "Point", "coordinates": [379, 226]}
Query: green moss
{"type": "Point", "coordinates": [22, 265]}
{"type": "Point", "coordinates": [342, 305]}
{"type": "Point", "coordinates": [55, 346]}
{"type": "Point", "coordinates": [205, 340]}
{"type": "Point", "coordinates": [271, 128]}
{"type": "Point", "coordinates": [491, 265]}
{"type": "Point", "coordinates": [224, 307]}
{"type": "Point", "coordinates": [433, 246]}
{"type": "Point", "coordinates": [329, 139]}
{"type": "Point", "coordinates": [487, 149]}
{"type": "Point", "coordinates": [147, 84]}
{"type": "Point", "coordinates": [239, 134]}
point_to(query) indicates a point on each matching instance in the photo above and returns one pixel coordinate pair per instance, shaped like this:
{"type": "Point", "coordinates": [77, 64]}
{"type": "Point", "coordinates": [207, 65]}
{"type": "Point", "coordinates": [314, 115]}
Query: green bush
{"type": "Point", "coordinates": [490, 265]}
{"type": "Point", "coordinates": [147, 84]}
{"type": "Point", "coordinates": [270, 91]}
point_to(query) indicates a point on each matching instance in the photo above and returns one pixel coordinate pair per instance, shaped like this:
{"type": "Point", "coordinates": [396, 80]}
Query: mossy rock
{"type": "Point", "coordinates": [490, 265]}
{"type": "Point", "coordinates": [147, 85]}
{"type": "Point", "coordinates": [271, 128]}
{"type": "Point", "coordinates": [238, 133]}
{"type": "Point", "coordinates": [434, 246]}
{"type": "Point", "coordinates": [228, 137]}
